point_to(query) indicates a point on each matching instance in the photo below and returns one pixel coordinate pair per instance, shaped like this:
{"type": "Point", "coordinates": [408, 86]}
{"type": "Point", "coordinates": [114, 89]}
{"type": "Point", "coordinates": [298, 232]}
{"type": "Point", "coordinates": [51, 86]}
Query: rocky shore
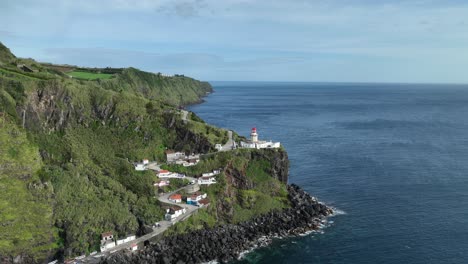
{"type": "Point", "coordinates": [226, 243]}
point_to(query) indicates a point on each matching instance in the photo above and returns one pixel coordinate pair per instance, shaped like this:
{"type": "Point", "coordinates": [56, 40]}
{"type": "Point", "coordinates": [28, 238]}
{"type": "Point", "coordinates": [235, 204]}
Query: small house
{"type": "Point", "coordinates": [195, 197]}
{"type": "Point", "coordinates": [174, 212]}
{"type": "Point", "coordinates": [164, 173]}
{"type": "Point", "coordinates": [107, 236]}
{"type": "Point", "coordinates": [107, 241]}
{"type": "Point", "coordinates": [140, 167]}
{"type": "Point", "coordinates": [162, 183]}
{"type": "Point", "coordinates": [172, 156]}
{"type": "Point", "coordinates": [204, 202]}
{"type": "Point", "coordinates": [134, 247]}
{"type": "Point", "coordinates": [145, 162]}
{"type": "Point", "coordinates": [175, 198]}
{"type": "Point", "coordinates": [190, 162]}
{"type": "Point", "coordinates": [206, 180]}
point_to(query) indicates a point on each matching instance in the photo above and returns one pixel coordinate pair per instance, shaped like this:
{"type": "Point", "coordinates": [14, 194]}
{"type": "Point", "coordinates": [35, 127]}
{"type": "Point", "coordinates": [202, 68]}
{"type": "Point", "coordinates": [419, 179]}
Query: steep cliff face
{"type": "Point", "coordinates": [86, 136]}
{"type": "Point", "coordinates": [253, 177]}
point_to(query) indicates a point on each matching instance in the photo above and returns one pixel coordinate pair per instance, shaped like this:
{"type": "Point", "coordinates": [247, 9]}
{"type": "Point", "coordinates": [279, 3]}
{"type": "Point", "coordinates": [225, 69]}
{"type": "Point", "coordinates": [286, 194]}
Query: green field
{"type": "Point", "coordinates": [89, 75]}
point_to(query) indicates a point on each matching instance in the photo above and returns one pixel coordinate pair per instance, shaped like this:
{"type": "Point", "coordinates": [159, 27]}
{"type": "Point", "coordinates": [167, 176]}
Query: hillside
{"type": "Point", "coordinates": [67, 147]}
{"type": "Point", "coordinates": [5, 54]}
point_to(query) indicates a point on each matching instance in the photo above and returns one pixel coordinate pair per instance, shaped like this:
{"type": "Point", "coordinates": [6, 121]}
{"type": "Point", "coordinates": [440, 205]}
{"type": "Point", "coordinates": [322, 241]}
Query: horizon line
{"type": "Point", "coordinates": [342, 82]}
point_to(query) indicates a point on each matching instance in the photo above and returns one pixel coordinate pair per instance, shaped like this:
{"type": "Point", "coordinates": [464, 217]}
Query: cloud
{"type": "Point", "coordinates": [184, 9]}
{"type": "Point", "coordinates": [209, 37]}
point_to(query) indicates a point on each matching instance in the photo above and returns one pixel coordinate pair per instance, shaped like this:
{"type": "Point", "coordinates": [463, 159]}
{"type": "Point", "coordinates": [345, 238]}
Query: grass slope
{"type": "Point", "coordinates": [89, 75]}
{"type": "Point", "coordinates": [25, 203]}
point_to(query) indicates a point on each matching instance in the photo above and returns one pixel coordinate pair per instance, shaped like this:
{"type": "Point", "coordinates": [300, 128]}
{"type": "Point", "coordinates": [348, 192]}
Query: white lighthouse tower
{"type": "Point", "coordinates": [254, 143]}
{"type": "Point", "coordinates": [254, 135]}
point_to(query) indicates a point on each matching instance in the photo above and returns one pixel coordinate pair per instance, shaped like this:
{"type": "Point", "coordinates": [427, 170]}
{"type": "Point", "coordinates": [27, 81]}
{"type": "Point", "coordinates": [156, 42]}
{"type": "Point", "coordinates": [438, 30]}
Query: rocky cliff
{"type": "Point", "coordinates": [67, 150]}
{"type": "Point", "coordinates": [226, 243]}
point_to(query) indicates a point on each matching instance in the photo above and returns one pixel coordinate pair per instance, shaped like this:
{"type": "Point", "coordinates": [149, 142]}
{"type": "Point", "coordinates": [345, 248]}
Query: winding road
{"type": "Point", "coordinates": [164, 225]}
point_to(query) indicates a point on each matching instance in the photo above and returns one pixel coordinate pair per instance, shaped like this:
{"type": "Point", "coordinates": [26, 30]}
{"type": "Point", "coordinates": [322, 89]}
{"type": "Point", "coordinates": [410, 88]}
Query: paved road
{"type": "Point", "coordinates": [164, 225]}
{"type": "Point", "coordinates": [229, 144]}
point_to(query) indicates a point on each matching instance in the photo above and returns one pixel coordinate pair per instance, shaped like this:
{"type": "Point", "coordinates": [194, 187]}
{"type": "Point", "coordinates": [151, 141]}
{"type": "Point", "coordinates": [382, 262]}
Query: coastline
{"type": "Point", "coordinates": [230, 242]}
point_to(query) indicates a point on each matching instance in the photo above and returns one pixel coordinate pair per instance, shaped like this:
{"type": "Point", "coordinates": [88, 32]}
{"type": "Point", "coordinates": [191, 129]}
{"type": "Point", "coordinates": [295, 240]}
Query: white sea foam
{"type": "Point", "coordinates": [337, 211]}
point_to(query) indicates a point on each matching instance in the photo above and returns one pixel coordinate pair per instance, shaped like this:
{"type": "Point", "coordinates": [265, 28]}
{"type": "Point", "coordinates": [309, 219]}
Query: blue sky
{"type": "Point", "coordinates": [335, 40]}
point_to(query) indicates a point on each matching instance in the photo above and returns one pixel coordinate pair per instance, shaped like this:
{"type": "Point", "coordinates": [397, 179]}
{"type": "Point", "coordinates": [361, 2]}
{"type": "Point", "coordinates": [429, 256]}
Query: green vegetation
{"type": "Point", "coordinates": [213, 134]}
{"type": "Point", "coordinates": [5, 54]}
{"type": "Point", "coordinates": [25, 202]}
{"type": "Point", "coordinates": [89, 75]}
{"type": "Point", "coordinates": [66, 151]}
{"type": "Point", "coordinates": [259, 194]}
{"type": "Point", "coordinates": [179, 90]}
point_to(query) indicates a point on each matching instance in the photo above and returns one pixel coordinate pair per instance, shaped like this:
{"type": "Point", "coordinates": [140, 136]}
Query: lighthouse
{"type": "Point", "coordinates": [254, 135]}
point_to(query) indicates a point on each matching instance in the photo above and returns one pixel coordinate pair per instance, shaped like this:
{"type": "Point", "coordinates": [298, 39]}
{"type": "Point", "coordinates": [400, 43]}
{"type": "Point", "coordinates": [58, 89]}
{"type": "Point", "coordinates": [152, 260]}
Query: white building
{"type": "Point", "coordinates": [195, 198]}
{"type": "Point", "coordinates": [206, 180]}
{"type": "Point", "coordinates": [164, 173]}
{"type": "Point", "coordinates": [180, 158]}
{"type": "Point", "coordinates": [172, 156]}
{"type": "Point", "coordinates": [134, 247]}
{"type": "Point", "coordinates": [125, 240]}
{"type": "Point", "coordinates": [175, 198]}
{"type": "Point", "coordinates": [258, 144]}
{"type": "Point", "coordinates": [107, 241]}
{"type": "Point", "coordinates": [174, 212]}
{"type": "Point", "coordinates": [162, 183]}
{"type": "Point", "coordinates": [213, 173]}
{"type": "Point", "coordinates": [140, 167]}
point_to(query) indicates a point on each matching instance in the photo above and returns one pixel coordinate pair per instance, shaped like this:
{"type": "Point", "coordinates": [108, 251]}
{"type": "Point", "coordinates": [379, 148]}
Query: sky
{"type": "Point", "coordinates": [421, 41]}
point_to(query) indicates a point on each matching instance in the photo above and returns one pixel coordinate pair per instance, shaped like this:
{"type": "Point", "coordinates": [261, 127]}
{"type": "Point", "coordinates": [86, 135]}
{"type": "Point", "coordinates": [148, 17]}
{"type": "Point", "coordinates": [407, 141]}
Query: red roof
{"type": "Point", "coordinates": [175, 196]}
{"type": "Point", "coordinates": [163, 171]}
{"type": "Point", "coordinates": [170, 151]}
{"type": "Point", "coordinates": [254, 129]}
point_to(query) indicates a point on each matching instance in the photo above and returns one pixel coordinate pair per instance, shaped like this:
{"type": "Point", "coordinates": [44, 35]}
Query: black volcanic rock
{"type": "Point", "coordinates": [225, 243]}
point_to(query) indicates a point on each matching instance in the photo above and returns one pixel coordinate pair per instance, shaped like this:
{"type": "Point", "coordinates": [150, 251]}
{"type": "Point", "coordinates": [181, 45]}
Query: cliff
{"type": "Point", "coordinates": [226, 243]}
{"type": "Point", "coordinates": [83, 136]}
{"type": "Point", "coordinates": [67, 148]}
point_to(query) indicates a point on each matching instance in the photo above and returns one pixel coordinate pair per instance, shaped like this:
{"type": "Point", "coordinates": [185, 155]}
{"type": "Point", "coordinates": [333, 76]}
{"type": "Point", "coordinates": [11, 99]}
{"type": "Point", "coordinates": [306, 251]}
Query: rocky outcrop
{"type": "Point", "coordinates": [186, 139]}
{"type": "Point", "coordinates": [279, 161]}
{"type": "Point", "coordinates": [226, 243]}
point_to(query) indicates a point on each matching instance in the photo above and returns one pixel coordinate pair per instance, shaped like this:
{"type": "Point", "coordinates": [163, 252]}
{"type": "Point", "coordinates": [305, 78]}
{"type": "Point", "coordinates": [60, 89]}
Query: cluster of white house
{"type": "Point", "coordinates": [179, 158]}
{"type": "Point", "coordinates": [108, 241]}
{"type": "Point", "coordinates": [258, 144]}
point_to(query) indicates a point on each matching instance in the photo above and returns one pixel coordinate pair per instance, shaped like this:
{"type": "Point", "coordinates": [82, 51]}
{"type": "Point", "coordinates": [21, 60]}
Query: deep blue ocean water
{"type": "Point", "coordinates": [393, 157]}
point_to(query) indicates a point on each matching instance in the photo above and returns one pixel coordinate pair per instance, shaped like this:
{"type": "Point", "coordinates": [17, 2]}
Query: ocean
{"type": "Point", "coordinates": [392, 157]}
